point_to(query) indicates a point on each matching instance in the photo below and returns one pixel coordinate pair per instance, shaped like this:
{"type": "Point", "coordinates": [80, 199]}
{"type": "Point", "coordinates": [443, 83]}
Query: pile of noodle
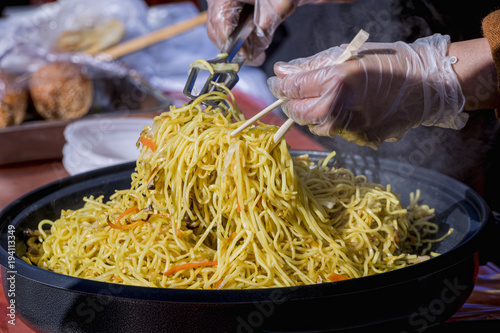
{"type": "Point", "coordinates": [208, 210]}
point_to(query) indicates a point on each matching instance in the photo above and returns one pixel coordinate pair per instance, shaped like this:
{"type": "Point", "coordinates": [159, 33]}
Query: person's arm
{"type": "Point", "coordinates": [477, 74]}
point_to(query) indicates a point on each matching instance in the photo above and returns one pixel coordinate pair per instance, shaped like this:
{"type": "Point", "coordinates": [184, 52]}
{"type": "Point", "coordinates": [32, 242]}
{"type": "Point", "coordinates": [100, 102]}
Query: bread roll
{"type": "Point", "coordinates": [13, 100]}
{"type": "Point", "coordinates": [61, 91]}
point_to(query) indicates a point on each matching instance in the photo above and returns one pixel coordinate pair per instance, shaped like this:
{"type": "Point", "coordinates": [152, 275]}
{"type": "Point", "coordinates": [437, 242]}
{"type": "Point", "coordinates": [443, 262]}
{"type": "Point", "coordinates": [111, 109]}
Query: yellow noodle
{"type": "Point", "coordinates": [248, 215]}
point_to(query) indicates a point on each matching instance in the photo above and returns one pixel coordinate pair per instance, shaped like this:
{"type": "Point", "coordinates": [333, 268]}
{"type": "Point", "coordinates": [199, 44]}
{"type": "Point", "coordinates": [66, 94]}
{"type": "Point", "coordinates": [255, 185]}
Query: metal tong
{"type": "Point", "coordinates": [227, 75]}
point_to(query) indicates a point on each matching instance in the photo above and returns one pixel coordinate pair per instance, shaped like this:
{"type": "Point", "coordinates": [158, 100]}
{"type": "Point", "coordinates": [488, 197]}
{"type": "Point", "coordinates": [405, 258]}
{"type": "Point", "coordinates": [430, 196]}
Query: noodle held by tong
{"type": "Point", "coordinates": [207, 210]}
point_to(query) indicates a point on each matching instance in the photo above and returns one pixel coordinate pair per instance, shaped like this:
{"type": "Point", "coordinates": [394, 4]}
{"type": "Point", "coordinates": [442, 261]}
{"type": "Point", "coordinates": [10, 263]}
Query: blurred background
{"type": "Point", "coordinates": [126, 94]}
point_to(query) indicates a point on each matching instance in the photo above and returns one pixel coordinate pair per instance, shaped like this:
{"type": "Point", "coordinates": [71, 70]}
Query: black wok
{"type": "Point", "coordinates": [410, 299]}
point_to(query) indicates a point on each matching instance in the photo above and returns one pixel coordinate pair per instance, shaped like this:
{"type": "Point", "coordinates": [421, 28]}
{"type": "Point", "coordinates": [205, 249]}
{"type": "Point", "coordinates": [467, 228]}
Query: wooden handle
{"type": "Point", "coordinates": [257, 117]}
{"type": "Point", "coordinates": [141, 42]}
{"type": "Point", "coordinates": [282, 130]}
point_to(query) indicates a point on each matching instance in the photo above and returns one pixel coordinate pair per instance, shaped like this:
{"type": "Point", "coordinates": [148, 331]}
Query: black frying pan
{"type": "Point", "coordinates": [410, 299]}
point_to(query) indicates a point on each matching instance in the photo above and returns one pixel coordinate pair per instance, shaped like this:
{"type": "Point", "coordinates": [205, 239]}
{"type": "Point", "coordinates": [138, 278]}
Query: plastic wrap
{"type": "Point", "coordinates": [143, 82]}
{"type": "Point", "coordinates": [66, 84]}
{"type": "Point", "coordinates": [32, 39]}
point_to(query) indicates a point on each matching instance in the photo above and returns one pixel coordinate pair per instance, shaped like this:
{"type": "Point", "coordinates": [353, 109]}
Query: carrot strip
{"type": "Point", "coordinates": [126, 226]}
{"type": "Point", "coordinates": [148, 143]}
{"type": "Point", "coordinates": [189, 265]}
{"type": "Point", "coordinates": [122, 215]}
{"type": "Point", "coordinates": [217, 284]}
{"type": "Point", "coordinates": [126, 212]}
{"type": "Point", "coordinates": [152, 172]}
{"type": "Point", "coordinates": [337, 277]}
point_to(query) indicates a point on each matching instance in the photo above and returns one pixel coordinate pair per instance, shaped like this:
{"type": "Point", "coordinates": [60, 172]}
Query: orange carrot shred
{"type": "Point", "coordinates": [337, 277]}
{"type": "Point", "coordinates": [148, 143]}
{"type": "Point", "coordinates": [189, 265]}
{"type": "Point", "coordinates": [217, 284]}
{"type": "Point", "coordinates": [126, 226]}
{"type": "Point", "coordinates": [126, 212]}
{"type": "Point", "coordinates": [122, 215]}
{"type": "Point", "coordinates": [178, 232]}
{"type": "Point", "coordinates": [152, 173]}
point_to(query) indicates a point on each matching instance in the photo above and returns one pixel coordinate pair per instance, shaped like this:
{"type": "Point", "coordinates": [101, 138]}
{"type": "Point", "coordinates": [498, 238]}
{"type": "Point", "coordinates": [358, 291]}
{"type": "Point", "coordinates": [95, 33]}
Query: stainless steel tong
{"type": "Point", "coordinates": [219, 72]}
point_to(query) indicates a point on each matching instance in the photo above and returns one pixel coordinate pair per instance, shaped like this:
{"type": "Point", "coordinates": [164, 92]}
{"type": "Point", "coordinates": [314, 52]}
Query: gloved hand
{"type": "Point", "coordinates": [223, 16]}
{"type": "Point", "coordinates": [377, 96]}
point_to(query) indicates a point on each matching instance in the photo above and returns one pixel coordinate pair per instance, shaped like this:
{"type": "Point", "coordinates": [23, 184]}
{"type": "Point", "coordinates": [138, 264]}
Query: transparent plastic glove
{"type": "Point", "coordinates": [223, 16]}
{"type": "Point", "coordinates": [377, 96]}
